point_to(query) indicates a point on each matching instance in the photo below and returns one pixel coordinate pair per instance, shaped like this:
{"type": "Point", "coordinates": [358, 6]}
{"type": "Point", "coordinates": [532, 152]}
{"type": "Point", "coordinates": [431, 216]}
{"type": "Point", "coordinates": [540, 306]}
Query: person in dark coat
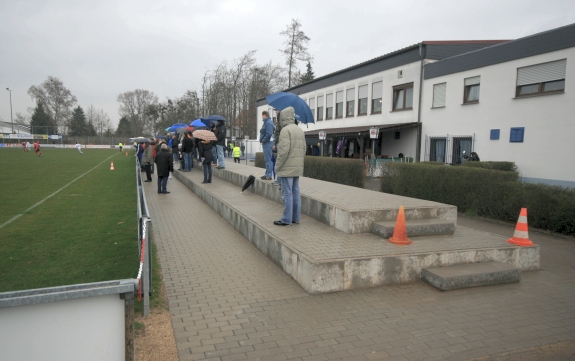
{"type": "Point", "coordinates": [206, 157]}
{"type": "Point", "coordinates": [175, 151]}
{"type": "Point", "coordinates": [220, 132]}
{"type": "Point", "coordinates": [147, 161]}
{"type": "Point", "coordinates": [187, 149]}
{"type": "Point", "coordinates": [164, 167]}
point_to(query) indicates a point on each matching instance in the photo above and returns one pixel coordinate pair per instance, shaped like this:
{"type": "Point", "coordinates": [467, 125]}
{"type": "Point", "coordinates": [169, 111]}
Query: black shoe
{"type": "Point", "coordinates": [159, 192]}
{"type": "Point", "coordinates": [148, 180]}
{"type": "Point", "coordinates": [165, 192]}
{"type": "Point", "coordinates": [265, 177]}
{"type": "Point", "coordinates": [280, 223]}
{"type": "Point", "coordinates": [204, 182]}
{"type": "Point", "coordinates": [294, 222]}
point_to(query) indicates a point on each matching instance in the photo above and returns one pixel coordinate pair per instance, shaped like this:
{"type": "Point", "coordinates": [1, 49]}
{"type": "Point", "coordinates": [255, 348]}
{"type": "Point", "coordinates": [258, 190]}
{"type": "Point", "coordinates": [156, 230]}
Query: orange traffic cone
{"type": "Point", "coordinates": [126, 154]}
{"type": "Point", "coordinates": [400, 230]}
{"type": "Point", "coordinates": [521, 235]}
{"type": "Point", "coordinates": [112, 166]}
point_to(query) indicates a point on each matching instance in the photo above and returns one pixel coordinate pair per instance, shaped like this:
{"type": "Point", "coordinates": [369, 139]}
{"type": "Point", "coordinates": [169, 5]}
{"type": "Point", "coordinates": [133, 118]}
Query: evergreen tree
{"type": "Point", "coordinates": [124, 127]}
{"type": "Point", "coordinates": [309, 75]}
{"type": "Point", "coordinates": [78, 125]}
{"type": "Point", "coordinates": [41, 122]}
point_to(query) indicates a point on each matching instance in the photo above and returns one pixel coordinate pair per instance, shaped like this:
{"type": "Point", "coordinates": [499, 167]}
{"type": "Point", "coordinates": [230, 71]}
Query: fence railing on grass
{"type": "Point", "coordinates": [144, 244]}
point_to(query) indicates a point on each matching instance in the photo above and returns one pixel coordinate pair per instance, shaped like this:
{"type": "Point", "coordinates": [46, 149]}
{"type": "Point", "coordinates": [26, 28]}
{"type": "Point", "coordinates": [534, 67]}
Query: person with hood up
{"type": "Point", "coordinates": [220, 132]}
{"type": "Point", "coordinates": [147, 161]}
{"type": "Point", "coordinates": [266, 134]}
{"type": "Point", "coordinates": [165, 167]}
{"type": "Point", "coordinates": [289, 166]}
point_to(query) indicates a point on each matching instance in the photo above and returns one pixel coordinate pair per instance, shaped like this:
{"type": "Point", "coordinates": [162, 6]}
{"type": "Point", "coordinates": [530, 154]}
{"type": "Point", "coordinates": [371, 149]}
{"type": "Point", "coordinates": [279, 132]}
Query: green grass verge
{"type": "Point", "coordinates": [85, 233]}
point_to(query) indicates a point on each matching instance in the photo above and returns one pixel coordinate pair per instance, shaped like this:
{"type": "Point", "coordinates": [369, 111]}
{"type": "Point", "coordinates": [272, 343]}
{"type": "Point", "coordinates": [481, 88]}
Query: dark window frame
{"type": "Point", "coordinates": [327, 109]}
{"type": "Point", "coordinates": [540, 89]}
{"type": "Point", "coordinates": [396, 89]}
{"type": "Point", "coordinates": [347, 108]}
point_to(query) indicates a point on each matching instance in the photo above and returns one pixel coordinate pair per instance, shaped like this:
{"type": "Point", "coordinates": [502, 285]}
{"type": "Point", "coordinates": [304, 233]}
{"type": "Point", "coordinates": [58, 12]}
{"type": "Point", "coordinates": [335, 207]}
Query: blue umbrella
{"type": "Point", "coordinates": [175, 127]}
{"type": "Point", "coordinates": [214, 118]}
{"type": "Point", "coordinates": [198, 123]}
{"type": "Point", "coordinates": [282, 100]}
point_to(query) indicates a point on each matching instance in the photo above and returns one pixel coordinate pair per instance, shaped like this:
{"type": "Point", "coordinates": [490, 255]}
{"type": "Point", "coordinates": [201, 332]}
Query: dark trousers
{"type": "Point", "coordinates": [236, 159]}
{"type": "Point", "coordinates": [162, 184]}
{"type": "Point", "coordinates": [207, 172]}
{"type": "Point", "coordinates": [148, 168]}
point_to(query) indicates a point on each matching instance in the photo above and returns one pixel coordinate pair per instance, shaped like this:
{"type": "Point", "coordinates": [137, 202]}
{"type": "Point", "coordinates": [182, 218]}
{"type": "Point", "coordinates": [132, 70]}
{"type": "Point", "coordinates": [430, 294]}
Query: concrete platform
{"type": "Point", "coordinates": [470, 275]}
{"type": "Point", "coordinates": [321, 257]}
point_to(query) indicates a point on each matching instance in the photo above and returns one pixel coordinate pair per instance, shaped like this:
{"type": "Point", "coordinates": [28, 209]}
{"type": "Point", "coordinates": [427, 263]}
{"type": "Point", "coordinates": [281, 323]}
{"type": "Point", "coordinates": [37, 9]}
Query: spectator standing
{"type": "Point", "coordinates": [290, 164]}
{"type": "Point", "coordinates": [139, 152]}
{"type": "Point", "coordinates": [147, 160]}
{"type": "Point", "coordinates": [221, 143]}
{"type": "Point", "coordinates": [237, 153]}
{"type": "Point", "coordinates": [121, 146]}
{"type": "Point", "coordinates": [266, 133]}
{"type": "Point", "coordinates": [79, 147]}
{"type": "Point", "coordinates": [206, 156]}
{"type": "Point", "coordinates": [277, 131]}
{"type": "Point", "coordinates": [165, 167]}
{"type": "Point", "coordinates": [187, 148]}
{"type": "Point", "coordinates": [175, 151]}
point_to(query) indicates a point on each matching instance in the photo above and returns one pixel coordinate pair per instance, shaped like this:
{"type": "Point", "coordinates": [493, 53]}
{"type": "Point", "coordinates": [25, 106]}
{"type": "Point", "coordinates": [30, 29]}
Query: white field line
{"type": "Point", "coordinates": [51, 195]}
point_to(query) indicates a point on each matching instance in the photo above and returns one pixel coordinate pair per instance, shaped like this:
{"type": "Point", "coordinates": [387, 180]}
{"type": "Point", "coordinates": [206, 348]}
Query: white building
{"type": "Point", "coordinates": [382, 92]}
{"type": "Point", "coordinates": [506, 100]}
{"type": "Point", "coordinates": [513, 101]}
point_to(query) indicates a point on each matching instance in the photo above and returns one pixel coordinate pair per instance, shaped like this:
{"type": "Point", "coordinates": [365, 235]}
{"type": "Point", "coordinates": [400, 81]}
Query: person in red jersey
{"type": "Point", "coordinates": [37, 148]}
{"type": "Point", "coordinates": [24, 146]}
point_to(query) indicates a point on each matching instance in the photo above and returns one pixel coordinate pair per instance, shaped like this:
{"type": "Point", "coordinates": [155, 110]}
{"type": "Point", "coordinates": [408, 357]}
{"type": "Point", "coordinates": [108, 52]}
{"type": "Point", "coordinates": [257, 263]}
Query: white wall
{"type": "Point", "coordinates": [81, 329]}
{"type": "Point", "coordinates": [548, 119]}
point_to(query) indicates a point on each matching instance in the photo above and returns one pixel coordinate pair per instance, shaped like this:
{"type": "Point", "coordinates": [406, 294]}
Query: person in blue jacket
{"type": "Point", "coordinates": [266, 133]}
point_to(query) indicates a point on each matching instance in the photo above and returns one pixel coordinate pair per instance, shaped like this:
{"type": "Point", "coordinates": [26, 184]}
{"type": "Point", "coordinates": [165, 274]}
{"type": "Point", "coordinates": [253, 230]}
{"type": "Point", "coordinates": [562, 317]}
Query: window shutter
{"type": "Point", "coordinates": [350, 94]}
{"type": "Point", "coordinates": [377, 90]}
{"type": "Point", "coordinates": [329, 100]}
{"type": "Point", "coordinates": [320, 101]}
{"type": "Point", "coordinates": [516, 135]}
{"type": "Point", "coordinates": [362, 91]}
{"type": "Point", "coordinates": [472, 81]}
{"type": "Point", "coordinates": [540, 73]}
{"type": "Point", "coordinates": [339, 97]}
{"type": "Point", "coordinates": [439, 95]}
{"type": "Point", "coordinates": [312, 103]}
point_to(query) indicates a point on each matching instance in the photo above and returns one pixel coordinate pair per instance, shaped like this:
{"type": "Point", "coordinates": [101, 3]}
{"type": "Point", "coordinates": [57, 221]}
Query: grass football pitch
{"type": "Point", "coordinates": [66, 218]}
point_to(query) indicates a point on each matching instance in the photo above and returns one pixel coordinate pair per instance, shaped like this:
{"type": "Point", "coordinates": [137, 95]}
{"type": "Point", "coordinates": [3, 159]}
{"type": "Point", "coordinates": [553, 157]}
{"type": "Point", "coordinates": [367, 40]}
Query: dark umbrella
{"type": "Point", "coordinates": [141, 140]}
{"type": "Point", "coordinates": [162, 137]}
{"type": "Point", "coordinates": [282, 100]}
{"type": "Point", "coordinates": [251, 179]}
{"type": "Point", "coordinates": [214, 118]}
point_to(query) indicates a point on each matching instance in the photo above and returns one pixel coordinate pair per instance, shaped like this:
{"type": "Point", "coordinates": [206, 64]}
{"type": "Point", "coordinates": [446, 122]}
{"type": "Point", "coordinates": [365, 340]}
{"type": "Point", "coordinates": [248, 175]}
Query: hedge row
{"type": "Point", "coordinates": [506, 166]}
{"type": "Point", "coordinates": [485, 192]}
{"type": "Point", "coordinates": [350, 172]}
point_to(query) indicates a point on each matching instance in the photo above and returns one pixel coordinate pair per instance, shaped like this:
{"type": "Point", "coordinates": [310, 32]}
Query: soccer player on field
{"type": "Point", "coordinates": [37, 148]}
{"type": "Point", "coordinates": [24, 146]}
{"type": "Point", "coordinates": [79, 147]}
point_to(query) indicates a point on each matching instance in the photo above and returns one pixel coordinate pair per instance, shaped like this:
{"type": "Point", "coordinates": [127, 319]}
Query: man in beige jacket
{"type": "Point", "coordinates": [289, 166]}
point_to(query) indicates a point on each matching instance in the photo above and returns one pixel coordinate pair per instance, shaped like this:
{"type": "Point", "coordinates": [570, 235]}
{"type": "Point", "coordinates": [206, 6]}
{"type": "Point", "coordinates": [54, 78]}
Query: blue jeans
{"type": "Point", "coordinates": [215, 154]}
{"type": "Point", "coordinates": [162, 184]}
{"type": "Point", "coordinates": [207, 173]}
{"type": "Point", "coordinates": [292, 200]}
{"type": "Point", "coordinates": [221, 162]}
{"type": "Point", "coordinates": [175, 155]}
{"type": "Point", "coordinates": [267, 147]}
{"type": "Point", "coordinates": [188, 161]}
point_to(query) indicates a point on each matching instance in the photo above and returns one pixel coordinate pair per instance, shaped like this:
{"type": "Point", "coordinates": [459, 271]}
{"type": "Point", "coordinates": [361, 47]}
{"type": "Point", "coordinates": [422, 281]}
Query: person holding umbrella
{"type": "Point", "coordinates": [220, 132]}
{"type": "Point", "coordinates": [187, 149]}
{"type": "Point", "coordinates": [289, 166]}
{"type": "Point", "coordinates": [205, 152]}
{"type": "Point", "coordinates": [266, 133]}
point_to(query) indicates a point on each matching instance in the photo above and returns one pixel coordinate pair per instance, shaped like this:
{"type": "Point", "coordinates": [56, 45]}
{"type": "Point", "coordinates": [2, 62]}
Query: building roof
{"type": "Point", "coordinates": [359, 130]}
{"type": "Point", "coordinates": [541, 43]}
{"type": "Point", "coordinates": [435, 50]}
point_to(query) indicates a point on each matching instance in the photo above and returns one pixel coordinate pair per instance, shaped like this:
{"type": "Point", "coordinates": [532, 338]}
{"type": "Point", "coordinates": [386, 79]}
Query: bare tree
{"type": "Point", "coordinates": [295, 48]}
{"type": "Point", "coordinates": [22, 119]}
{"type": "Point", "coordinates": [57, 100]}
{"type": "Point", "coordinates": [135, 105]}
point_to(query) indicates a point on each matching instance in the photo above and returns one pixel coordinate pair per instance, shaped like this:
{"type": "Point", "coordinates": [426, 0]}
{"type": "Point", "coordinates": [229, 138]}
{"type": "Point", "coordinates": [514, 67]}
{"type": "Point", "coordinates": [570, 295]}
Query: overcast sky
{"type": "Point", "coordinates": [102, 48]}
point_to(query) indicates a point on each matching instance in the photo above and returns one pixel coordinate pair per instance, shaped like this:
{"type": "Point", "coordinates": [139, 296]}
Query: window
{"type": "Point", "coordinates": [362, 102]}
{"type": "Point", "coordinates": [403, 97]}
{"type": "Point", "coordinates": [439, 95]}
{"type": "Point", "coordinates": [376, 92]}
{"type": "Point", "coordinates": [437, 149]}
{"type": "Point", "coordinates": [312, 105]}
{"type": "Point", "coordinates": [339, 104]}
{"type": "Point", "coordinates": [329, 106]}
{"type": "Point", "coordinates": [471, 93]}
{"type": "Point", "coordinates": [516, 135]}
{"type": "Point", "coordinates": [541, 79]}
{"type": "Point", "coordinates": [494, 134]}
{"type": "Point", "coordinates": [350, 106]}
{"type": "Point", "coordinates": [461, 146]}
{"type": "Point", "coordinates": [320, 108]}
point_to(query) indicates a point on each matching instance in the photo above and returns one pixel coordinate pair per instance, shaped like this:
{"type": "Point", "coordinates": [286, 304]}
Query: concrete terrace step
{"type": "Point", "coordinates": [349, 209]}
{"type": "Point", "coordinates": [324, 259]}
{"type": "Point", "coordinates": [470, 275]}
{"type": "Point", "coordinates": [416, 228]}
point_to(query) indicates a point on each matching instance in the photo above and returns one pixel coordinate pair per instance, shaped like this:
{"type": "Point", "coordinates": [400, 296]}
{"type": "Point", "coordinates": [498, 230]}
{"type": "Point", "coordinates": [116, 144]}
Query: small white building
{"type": "Point", "coordinates": [513, 101]}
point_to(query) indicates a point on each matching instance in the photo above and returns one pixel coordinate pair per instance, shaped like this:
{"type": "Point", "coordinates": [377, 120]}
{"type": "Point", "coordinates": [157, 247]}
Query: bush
{"type": "Point", "coordinates": [486, 192]}
{"type": "Point", "coordinates": [505, 166]}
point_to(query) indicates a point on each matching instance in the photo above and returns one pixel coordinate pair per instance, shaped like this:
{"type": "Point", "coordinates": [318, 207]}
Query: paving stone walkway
{"type": "Point", "coordinates": [229, 302]}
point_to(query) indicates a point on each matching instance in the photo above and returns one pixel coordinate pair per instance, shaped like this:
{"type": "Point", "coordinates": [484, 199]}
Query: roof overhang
{"type": "Point", "coordinates": [358, 131]}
